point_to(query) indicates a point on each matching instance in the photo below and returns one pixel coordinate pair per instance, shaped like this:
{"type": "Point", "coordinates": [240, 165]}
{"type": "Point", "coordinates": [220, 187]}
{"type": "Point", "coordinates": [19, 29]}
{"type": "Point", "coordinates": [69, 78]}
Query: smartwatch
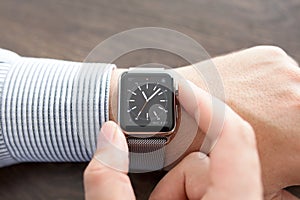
{"type": "Point", "coordinates": [147, 114]}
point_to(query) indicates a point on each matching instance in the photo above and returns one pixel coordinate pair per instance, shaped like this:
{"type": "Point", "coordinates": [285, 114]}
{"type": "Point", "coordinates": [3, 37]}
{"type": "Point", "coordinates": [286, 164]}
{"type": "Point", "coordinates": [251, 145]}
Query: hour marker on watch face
{"type": "Point", "coordinates": [147, 116]}
{"type": "Point", "coordinates": [155, 114]}
{"type": "Point", "coordinates": [162, 100]}
{"type": "Point", "coordinates": [132, 92]}
{"type": "Point", "coordinates": [155, 86]}
{"type": "Point", "coordinates": [162, 92]}
{"type": "Point", "coordinates": [131, 100]}
{"type": "Point", "coordinates": [147, 85]}
{"type": "Point", "coordinates": [162, 108]}
{"type": "Point", "coordinates": [138, 86]}
{"type": "Point", "coordinates": [131, 109]}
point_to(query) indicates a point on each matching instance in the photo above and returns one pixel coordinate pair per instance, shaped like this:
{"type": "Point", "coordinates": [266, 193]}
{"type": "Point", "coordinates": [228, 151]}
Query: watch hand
{"type": "Point", "coordinates": [144, 95]}
{"type": "Point", "coordinates": [153, 94]}
{"type": "Point", "coordinates": [141, 109]}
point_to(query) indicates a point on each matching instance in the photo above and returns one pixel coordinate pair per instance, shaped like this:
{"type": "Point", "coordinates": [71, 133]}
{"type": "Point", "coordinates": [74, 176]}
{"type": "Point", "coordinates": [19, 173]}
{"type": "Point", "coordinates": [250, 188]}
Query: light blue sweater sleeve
{"type": "Point", "coordinates": [50, 110]}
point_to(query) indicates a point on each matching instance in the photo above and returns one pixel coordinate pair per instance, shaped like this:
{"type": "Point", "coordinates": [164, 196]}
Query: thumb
{"type": "Point", "coordinates": [106, 175]}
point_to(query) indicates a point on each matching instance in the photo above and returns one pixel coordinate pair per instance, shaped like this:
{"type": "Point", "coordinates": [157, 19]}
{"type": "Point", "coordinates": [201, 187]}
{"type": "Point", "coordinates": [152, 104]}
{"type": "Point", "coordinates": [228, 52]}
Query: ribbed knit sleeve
{"type": "Point", "coordinates": [51, 110]}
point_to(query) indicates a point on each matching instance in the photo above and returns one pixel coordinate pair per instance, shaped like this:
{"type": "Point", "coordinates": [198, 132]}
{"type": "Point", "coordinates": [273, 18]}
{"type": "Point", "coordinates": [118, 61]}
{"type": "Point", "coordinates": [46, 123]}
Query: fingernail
{"type": "Point", "coordinates": [107, 134]}
{"type": "Point", "coordinates": [112, 135]}
{"type": "Point", "coordinates": [112, 149]}
{"type": "Point", "coordinates": [202, 155]}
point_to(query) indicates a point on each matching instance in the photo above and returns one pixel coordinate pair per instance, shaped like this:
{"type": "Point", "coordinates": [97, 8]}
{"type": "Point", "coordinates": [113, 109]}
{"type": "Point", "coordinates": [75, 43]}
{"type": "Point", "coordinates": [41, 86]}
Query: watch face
{"type": "Point", "coordinates": [146, 102]}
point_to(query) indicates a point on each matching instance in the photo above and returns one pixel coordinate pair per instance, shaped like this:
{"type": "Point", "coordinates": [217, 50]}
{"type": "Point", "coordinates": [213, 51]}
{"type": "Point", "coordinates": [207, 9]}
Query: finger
{"type": "Point", "coordinates": [208, 112]}
{"type": "Point", "coordinates": [234, 159]}
{"type": "Point", "coordinates": [188, 180]}
{"type": "Point", "coordinates": [196, 102]}
{"type": "Point", "coordinates": [202, 105]}
{"type": "Point", "coordinates": [106, 175]}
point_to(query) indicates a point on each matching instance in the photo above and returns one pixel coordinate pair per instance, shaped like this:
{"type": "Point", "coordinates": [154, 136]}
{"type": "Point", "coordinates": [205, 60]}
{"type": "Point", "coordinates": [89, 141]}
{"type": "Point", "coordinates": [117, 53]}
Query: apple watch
{"type": "Point", "coordinates": [147, 114]}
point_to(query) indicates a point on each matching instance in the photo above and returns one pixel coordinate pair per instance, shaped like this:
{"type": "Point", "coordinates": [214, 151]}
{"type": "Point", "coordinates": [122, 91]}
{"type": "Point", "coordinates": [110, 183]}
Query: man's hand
{"type": "Point", "coordinates": [232, 170]}
{"type": "Point", "coordinates": [262, 84]}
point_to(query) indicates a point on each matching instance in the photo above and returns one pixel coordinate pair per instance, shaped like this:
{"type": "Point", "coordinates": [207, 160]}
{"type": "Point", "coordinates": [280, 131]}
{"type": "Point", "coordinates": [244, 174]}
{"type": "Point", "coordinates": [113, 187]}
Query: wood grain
{"type": "Point", "coordinates": [70, 29]}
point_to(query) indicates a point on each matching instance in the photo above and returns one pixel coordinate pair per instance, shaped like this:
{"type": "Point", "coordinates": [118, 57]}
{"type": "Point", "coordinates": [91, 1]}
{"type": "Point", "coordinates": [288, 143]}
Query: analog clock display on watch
{"type": "Point", "coordinates": [146, 102]}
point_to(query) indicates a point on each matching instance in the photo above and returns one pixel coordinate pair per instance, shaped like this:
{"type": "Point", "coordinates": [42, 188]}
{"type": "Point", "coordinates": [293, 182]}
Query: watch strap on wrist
{"type": "Point", "coordinates": [146, 154]}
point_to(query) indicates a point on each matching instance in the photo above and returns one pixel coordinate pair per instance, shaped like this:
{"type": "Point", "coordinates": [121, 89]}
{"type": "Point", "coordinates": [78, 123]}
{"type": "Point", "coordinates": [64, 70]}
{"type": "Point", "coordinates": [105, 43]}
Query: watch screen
{"type": "Point", "coordinates": [146, 102]}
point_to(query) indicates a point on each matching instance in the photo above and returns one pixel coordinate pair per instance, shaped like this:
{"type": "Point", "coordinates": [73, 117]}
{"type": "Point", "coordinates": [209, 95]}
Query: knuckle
{"type": "Point", "coordinates": [248, 133]}
{"type": "Point", "coordinates": [293, 94]}
{"type": "Point", "coordinates": [293, 61]}
{"type": "Point", "coordinates": [289, 70]}
{"type": "Point", "coordinates": [195, 191]}
{"type": "Point", "coordinates": [244, 132]}
{"type": "Point", "coordinates": [87, 176]}
{"type": "Point", "coordinates": [268, 54]}
{"type": "Point", "coordinates": [248, 128]}
{"type": "Point", "coordinates": [103, 176]}
{"type": "Point", "coordinates": [194, 156]}
{"type": "Point", "coordinates": [87, 172]}
{"type": "Point", "coordinates": [91, 172]}
{"type": "Point", "coordinates": [295, 73]}
{"type": "Point", "coordinates": [273, 51]}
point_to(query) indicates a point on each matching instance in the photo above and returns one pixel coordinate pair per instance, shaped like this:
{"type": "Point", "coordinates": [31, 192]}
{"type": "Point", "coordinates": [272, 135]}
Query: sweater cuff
{"type": "Point", "coordinates": [51, 110]}
{"type": "Point", "coordinates": [7, 58]}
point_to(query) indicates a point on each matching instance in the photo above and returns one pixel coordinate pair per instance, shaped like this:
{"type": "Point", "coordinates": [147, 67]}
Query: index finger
{"type": "Point", "coordinates": [234, 159]}
{"type": "Point", "coordinates": [208, 112]}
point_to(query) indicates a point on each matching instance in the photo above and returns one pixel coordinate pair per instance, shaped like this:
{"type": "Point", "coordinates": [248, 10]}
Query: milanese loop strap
{"type": "Point", "coordinates": [146, 154]}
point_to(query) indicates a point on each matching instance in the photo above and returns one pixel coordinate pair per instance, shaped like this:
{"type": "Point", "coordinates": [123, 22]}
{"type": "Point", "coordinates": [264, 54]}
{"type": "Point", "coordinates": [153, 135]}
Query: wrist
{"type": "Point", "coordinates": [113, 93]}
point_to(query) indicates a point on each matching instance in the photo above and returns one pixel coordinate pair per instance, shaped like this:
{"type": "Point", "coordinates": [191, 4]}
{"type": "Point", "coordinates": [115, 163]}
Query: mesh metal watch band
{"type": "Point", "coordinates": [146, 154]}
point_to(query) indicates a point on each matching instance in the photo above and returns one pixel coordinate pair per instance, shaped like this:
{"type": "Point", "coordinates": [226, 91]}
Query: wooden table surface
{"type": "Point", "coordinates": [70, 29]}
